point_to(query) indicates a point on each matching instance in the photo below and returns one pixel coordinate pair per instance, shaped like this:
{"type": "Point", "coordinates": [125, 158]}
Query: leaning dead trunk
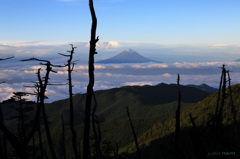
{"type": "Point", "coordinates": [92, 51]}
{"type": "Point", "coordinates": [134, 134]}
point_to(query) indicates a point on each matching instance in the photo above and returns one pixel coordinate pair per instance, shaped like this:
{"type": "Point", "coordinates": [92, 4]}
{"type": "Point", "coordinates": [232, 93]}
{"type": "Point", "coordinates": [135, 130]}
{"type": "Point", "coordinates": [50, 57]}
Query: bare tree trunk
{"type": "Point", "coordinates": [63, 140]}
{"type": "Point", "coordinates": [70, 69]}
{"type": "Point", "coordinates": [97, 135]}
{"type": "Point", "coordinates": [46, 156]}
{"type": "Point", "coordinates": [40, 141]}
{"type": "Point", "coordinates": [92, 51]}
{"type": "Point", "coordinates": [49, 138]}
{"type": "Point", "coordinates": [177, 130]}
{"type": "Point", "coordinates": [236, 129]}
{"type": "Point", "coordinates": [116, 152]}
{"type": "Point", "coordinates": [219, 93]}
{"type": "Point", "coordinates": [220, 116]}
{"type": "Point", "coordinates": [34, 147]}
{"type": "Point", "coordinates": [231, 100]}
{"type": "Point", "coordinates": [3, 141]}
{"type": "Point", "coordinates": [134, 134]}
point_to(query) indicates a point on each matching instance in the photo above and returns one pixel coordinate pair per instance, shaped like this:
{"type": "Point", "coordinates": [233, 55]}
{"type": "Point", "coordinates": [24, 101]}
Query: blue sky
{"type": "Point", "coordinates": [154, 21]}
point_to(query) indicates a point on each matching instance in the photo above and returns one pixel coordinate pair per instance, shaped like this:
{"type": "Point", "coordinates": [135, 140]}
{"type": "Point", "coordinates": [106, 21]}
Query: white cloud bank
{"type": "Point", "coordinates": [109, 76]}
{"type": "Point", "coordinates": [16, 73]}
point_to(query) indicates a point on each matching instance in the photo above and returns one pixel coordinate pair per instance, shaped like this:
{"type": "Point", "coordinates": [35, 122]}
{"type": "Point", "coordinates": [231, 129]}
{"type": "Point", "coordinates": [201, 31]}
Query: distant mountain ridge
{"type": "Point", "coordinates": [204, 87]}
{"type": "Point", "coordinates": [127, 56]}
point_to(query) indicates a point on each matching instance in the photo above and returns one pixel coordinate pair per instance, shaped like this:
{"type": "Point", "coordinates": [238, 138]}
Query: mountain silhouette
{"type": "Point", "coordinates": [127, 56]}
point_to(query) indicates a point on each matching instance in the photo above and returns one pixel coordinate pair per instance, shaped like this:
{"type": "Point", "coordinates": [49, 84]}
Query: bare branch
{"type": "Point", "coordinates": [35, 59]}
{"type": "Point", "coordinates": [55, 84]}
{"type": "Point", "coordinates": [7, 58]}
{"type": "Point", "coordinates": [63, 55]}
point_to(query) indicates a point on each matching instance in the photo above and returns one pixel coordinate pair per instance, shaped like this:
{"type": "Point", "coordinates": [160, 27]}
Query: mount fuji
{"type": "Point", "coordinates": [127, 56]}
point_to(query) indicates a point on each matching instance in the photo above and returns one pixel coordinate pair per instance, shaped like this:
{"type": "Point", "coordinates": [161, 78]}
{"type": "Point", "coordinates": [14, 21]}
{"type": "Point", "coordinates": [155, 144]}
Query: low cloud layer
{"type": "Point", "coordinates": [108, 76]}
{"type": "Point", "coordinates": [195, 64]}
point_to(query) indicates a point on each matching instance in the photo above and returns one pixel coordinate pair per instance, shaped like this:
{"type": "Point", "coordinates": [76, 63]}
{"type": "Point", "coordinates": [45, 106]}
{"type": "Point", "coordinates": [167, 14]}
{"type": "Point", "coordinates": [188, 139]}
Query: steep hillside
{"type": "Point", "coordinates": [148, 105]}
{"type": "Point", "coordinates": [143, 101]}
{"type": "Point", "coordinates": [199, 142]}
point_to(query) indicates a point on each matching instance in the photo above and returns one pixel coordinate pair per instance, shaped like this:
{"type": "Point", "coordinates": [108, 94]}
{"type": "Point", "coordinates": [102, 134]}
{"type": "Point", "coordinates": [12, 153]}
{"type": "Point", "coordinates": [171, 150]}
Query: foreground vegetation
{"type": "Point", "coordinates": [154, 123]}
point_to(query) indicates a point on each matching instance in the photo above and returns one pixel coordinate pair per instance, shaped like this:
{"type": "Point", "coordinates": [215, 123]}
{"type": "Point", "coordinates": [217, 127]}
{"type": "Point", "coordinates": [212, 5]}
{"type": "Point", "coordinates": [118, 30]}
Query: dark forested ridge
{"type": "Point", "coordinates": [149, 106]}
{"type": "Point", "coordinates": [199, 139]}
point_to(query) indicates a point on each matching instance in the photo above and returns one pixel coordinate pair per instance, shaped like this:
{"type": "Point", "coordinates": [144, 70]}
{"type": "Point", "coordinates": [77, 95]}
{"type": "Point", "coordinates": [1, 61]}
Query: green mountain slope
{"type": "Point", "coordinates": [143, 102]}
{"type": "Point", "coordinates": [200, 142]}
{"type": "Point", "coordinates": [148, 105]}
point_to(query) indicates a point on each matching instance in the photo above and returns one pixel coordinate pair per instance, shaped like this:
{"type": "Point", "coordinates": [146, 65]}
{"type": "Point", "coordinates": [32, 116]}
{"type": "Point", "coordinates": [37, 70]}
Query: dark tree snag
{"type": "Point", "coordinates": [7, 58]}
{"type": "Point", "coordinates": [4, 140]}
{"type": "Point", "coordinates": [34, 147]}
{"type": "Point", "coordinates": [223, 97]}
{"type": "Point", "coordinates": [196, 139]}
{"type": "Point", "coordinates": [231, 100]}
{"type": "Point", "coordinates": [192, 121]}
{"type": "Point", "coordinates": [42, 97]}
{"type": "Point", "coordinates": [70, 66]}
{"type": "Point", "coordinates": [116, 152]}
{"type": "Point", "coordinates": [40, 141]}
{"type": "Point", "coordinates": [43, 88]}
{"type": "Point", "coordinates": [218, 99]}
{"type": "Point", "coordinates": [134, 134]}
{"type": "Point", "coordinates": [45, 153]}
{"type": "Point", "coordinates": [97, 134]}
{"type": "Point", "coordinates": [63, 140]}
{"type": "Point", "coordinates": [48, 132]}
{"type": "Point", "coordinates": [177, 129]}
{"type": "Point", "coordinates": [16, 144]}
{"type": "Point", "coordinates": [236, 129]}
{"type": "Point", "coordinates": [92, 52]}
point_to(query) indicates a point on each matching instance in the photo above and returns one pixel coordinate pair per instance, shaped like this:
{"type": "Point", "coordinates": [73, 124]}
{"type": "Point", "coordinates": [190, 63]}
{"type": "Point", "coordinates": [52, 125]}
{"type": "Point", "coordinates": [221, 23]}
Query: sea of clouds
{"type": "Point", "coordinates": [17, 74]}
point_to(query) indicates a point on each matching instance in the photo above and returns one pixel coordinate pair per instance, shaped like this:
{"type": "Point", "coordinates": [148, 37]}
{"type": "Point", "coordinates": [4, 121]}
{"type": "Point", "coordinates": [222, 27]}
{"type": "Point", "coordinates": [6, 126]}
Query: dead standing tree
{"type": "Point", "coordinates": [177, 129]}
{"type": "Point", "coordinates": [92, 52]}
{"type": "Point", "coordinates": [70, 66]}
{"type": "Point", "coordinates": [43, 88]}
{"type": "Point", "coordinates": [220, 101]}
{"type": "Point", "coordinates": [37, 94]}
{"type": "Point", "coordinates": [233, 111]}
{"type": "Point", "coordinates": [18, 145]}
{"type": "Point", "coordinates": [134, 134]}
{"type": "Point", "coordinates": [96, 132]}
